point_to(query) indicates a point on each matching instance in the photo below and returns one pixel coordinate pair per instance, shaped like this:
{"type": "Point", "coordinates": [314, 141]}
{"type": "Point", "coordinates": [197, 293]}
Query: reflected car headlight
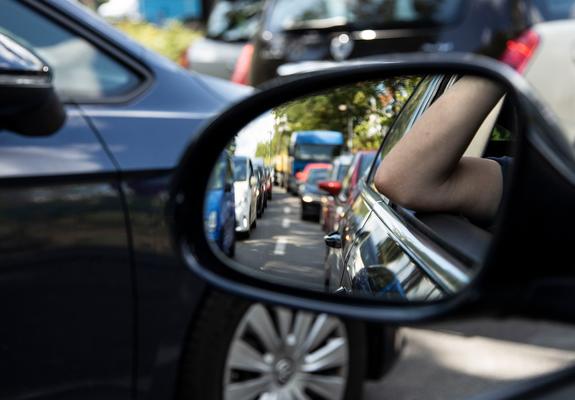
{"type": "Point", "coordinates": [307, 199]}
{"type": "Point", "coordinates": [212, 221]}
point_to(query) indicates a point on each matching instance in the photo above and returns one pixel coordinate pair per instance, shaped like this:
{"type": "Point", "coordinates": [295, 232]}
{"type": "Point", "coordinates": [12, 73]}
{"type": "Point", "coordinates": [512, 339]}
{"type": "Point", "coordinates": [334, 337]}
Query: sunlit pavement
{"type": "Point", "coordinates": [458, 360]}
{"type": "Point", "coordinates": [285, 246]}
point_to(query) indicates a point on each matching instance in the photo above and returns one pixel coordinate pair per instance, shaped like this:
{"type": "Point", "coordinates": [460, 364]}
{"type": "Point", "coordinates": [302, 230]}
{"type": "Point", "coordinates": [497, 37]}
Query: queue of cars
{"type": "Point", "coordinates": [239, 190]}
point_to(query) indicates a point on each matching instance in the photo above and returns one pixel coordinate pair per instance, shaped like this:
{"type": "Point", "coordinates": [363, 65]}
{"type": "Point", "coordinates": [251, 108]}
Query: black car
{"type": "Point", "coordinates": [232, 24]}
{"type": "Point", "coordinates": [310, 194]}
{"type": "Point", "coordinates": [97, 302]}
{"type": "Point", "coordinates": [299, 31]}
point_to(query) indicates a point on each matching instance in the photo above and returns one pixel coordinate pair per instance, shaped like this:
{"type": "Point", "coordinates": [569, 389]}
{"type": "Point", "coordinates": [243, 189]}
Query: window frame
{"type": "Point", "coordinates": [95, 38]}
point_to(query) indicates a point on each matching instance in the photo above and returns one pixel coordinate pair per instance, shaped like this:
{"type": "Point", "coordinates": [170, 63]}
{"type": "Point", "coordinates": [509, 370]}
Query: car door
{"type": "Point", "coordinates": [364, 247]}
{"type": "Point", "coordinates": [65, 276]}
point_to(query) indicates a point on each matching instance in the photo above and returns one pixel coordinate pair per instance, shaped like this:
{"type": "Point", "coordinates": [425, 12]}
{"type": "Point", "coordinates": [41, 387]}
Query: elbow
{"type": "Point", "coordinates": [399, 191]}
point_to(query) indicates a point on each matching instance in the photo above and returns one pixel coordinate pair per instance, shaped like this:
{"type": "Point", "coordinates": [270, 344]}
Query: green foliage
{"type": "Point", "coordinates": [363, 112]}
{"type": "Point", "coordinates": [170, 40]}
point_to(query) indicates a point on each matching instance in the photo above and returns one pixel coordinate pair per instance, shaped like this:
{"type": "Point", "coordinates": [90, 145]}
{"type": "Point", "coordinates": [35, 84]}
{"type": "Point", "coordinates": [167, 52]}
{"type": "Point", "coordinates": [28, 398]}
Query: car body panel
{"type": "Point", "coordinates": [102, 186]}
{"type": "Point", "coordinates": [482, 26]}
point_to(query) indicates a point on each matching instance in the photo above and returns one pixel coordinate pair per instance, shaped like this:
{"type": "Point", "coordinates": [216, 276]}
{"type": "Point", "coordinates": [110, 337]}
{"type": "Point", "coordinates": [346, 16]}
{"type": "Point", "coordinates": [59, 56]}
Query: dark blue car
{"type": "Point", "coordinates": [96, 302]}
{"type": "Point", "coordinates": [220, 216]}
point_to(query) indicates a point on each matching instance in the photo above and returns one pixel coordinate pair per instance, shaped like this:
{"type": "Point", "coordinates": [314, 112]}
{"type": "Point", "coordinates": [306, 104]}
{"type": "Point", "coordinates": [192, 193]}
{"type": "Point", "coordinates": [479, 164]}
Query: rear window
{"type": "Point", "coordinates": [287, 14]}
{"type": "Point", "coordinates": [551, 10]}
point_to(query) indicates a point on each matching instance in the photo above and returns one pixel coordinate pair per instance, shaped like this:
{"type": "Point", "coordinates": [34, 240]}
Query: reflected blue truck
{"type": "Point", "coordinates": [310, 147]}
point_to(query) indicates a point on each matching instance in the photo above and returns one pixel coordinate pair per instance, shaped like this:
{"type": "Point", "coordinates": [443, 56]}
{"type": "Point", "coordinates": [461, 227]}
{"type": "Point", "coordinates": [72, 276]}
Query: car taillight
{"type": "Point", "coordinates": [184, 61]}
{"type": "Point", "coordinates": [518, 52]}
{"type": "Point", "coordinates": [243, 64]}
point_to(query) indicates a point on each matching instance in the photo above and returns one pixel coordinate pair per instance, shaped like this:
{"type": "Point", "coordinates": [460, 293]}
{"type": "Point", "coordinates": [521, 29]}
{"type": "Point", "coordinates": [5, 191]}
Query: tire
{"type": "Point", "coordinates": [225, 325]}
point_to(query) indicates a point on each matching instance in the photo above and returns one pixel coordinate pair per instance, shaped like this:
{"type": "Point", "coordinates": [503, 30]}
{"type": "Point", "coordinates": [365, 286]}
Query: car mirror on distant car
{"type": "Point", "coordinates": [28, 103]}
{"type": "Point", "coordinates": [332, 187]}
{"type": "Point", "coordinates": [401, 247]}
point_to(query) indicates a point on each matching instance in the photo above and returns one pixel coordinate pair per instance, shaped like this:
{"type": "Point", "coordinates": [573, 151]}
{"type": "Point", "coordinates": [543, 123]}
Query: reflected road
{"type": "Point", "coordinates": [285, 246]}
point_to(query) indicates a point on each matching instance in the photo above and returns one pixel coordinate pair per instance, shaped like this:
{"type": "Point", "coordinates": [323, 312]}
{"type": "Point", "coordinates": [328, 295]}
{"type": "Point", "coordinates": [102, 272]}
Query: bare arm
{"type": "Point", "coordinates": [425, 171]}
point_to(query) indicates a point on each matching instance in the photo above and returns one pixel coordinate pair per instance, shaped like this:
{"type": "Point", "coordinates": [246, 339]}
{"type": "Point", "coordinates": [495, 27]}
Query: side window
{"type": "Point", "coordinates": [406, 117]}
{"type": "Point", "coordinates": [81, 71]}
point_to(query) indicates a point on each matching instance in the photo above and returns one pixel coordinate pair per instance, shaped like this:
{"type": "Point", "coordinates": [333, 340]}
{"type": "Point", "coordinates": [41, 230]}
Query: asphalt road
{"type": "Point", "coordinates": [460, 360]}
{"type": "Point", "coordinates": [283, 246]}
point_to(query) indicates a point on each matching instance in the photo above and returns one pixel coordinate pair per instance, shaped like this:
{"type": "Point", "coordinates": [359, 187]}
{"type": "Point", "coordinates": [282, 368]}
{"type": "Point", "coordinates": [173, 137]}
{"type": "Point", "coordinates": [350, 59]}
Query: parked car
{"type": "Point", "coordinates": [262, 200]}
{"type": "Point", "coordinates": [220, 206]}
{"type": "Point", "coordinates": [330, 212]}
{"type": "Point", "coordinates": [230, 26]}
{"type": "Point", "coordinates": [246, 194]}
{"type": "Point", "coordinates": [100, 303]}
{"type": "Point", "coordinates": [307, 32]}
{"type": "Point", "coordinates": [310, 194]}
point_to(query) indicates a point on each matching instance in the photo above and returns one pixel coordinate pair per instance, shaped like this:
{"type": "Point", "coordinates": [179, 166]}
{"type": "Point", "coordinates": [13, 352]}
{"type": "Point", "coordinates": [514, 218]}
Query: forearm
{"type": "Point", "coordinates": [428, 155]}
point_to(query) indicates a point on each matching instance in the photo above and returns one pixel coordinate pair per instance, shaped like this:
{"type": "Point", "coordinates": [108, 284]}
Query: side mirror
{"type": "Point", "coordinates": [397, 264]}
{"type": "Point", "coordinates": [299, 176]}
{"type": "Point", "coordinates": [28, 103]}
{"type": "Point", "coordinates": [332, 187]}
{"type": "Point", "coordinates": [253, 181]}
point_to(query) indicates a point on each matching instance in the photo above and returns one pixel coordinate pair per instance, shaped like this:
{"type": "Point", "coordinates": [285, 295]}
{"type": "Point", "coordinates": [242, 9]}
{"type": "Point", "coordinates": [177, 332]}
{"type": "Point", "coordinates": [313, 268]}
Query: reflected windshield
{"type": "Point", "coordinates": [316, 152]}
{"type": "Point", "coordinates": [240, 169]}
{"type": "Point", "coordinates": [317, 175]}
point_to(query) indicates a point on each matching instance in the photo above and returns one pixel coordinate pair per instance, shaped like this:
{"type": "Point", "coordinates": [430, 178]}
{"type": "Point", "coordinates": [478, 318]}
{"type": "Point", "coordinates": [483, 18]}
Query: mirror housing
{"type": "Point", "coordinates": [332, 187]}
{"type": "Point", "coordinates": [511, 280]}
{"type": "Point", "coordinates": [28, 104]}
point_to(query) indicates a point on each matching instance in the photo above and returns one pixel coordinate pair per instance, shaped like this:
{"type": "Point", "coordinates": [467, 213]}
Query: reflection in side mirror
{"type": "Point", "coordinates": [332, 187]}
{"type": "Point", "coordinates": [376, 246]}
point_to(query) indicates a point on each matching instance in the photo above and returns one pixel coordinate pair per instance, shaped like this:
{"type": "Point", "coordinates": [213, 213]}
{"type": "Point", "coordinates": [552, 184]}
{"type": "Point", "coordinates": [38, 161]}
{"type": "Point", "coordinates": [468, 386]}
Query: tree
{"type": "Point", "coordinates": [361, 111]}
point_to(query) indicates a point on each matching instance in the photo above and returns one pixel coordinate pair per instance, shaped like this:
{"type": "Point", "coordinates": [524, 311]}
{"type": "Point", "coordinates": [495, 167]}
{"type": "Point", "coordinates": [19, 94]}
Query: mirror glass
{"type": "Point", "coordinates": [385, 189]}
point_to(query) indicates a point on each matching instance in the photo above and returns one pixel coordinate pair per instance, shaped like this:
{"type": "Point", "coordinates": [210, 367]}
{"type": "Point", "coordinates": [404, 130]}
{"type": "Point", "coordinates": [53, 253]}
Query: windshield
{"type": "Point", "coordinates": [240, 170]}
{"type": "Point", "coordinates": [340, 172]}
{"type": "Point", "coordinates": [234, 21]}
{"type": "Point", "coordinates": [317, 175]}
{"type": "Point", "coordinates": [366, 162]}
{"type": "Point", "coordinates": [316, 152]}
{"type": "Point", "coordinates": [217, 178]}
{"type": "Point", "coordinates": [363, 13]}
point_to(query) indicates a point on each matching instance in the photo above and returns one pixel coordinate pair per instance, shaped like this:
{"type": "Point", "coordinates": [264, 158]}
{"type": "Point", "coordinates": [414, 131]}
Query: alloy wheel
{"type": "Point", "coordinates": [277, 353]}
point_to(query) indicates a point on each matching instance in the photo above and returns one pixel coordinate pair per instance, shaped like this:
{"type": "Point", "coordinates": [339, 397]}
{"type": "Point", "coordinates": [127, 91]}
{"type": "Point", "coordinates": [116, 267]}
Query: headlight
{"type": "Point", "coordinates": [307, 199]}
{"type": "Point", "coordinates": [212, 221]}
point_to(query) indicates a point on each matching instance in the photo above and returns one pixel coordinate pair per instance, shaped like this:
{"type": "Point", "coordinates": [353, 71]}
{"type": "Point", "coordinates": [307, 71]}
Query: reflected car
{"type": "Point", "coordinates": [262, 199]}
{"type": "Point", "coordinates": [220, 217]}
{"type": "Point", "coordinates": [310, 194]}
{"type": "Point", "coordinates": [345, 192]}
{"type": "Point", "coordinates": [302, 176]}
{"type": "Point", "coordinates": [329, 209]}
{"type": "Point", "coordinates": [246, 197]}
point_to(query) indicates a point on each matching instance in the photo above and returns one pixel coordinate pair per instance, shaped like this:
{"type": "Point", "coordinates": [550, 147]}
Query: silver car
{"type": "Point", "coordinates": [245, 188]}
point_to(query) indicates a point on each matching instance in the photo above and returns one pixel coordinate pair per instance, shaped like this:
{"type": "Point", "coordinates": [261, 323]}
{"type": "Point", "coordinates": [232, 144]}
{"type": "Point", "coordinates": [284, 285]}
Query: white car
{"type": "Point", "coordinates": [245, 188]}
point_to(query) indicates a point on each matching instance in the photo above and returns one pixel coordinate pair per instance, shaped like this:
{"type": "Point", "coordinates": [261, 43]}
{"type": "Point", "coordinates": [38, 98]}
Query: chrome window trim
{"type": "Point", "coordinates": [448, 272]}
